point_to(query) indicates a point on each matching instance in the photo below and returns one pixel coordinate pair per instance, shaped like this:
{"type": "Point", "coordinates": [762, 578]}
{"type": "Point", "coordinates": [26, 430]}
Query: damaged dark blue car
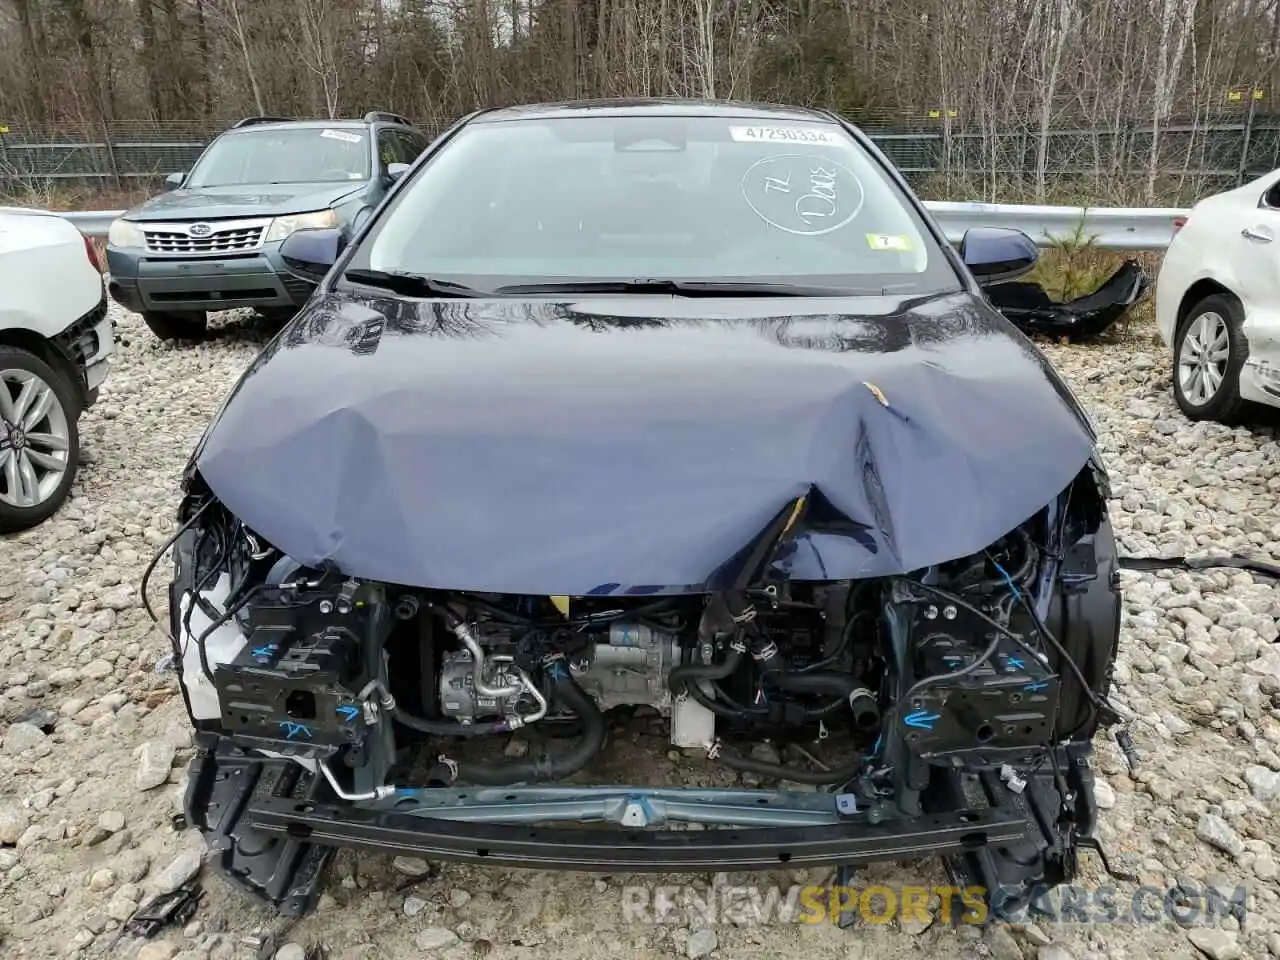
{"type": "Point", "coordinates": [624, 431]}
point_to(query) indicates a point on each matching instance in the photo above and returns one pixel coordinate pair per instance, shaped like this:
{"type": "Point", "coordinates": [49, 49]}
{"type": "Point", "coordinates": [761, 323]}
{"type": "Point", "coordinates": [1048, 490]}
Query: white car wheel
{"type": "Point", "coordinates": [1203, 357]}
{"type": "Point", "coordinates": [1209, 351]}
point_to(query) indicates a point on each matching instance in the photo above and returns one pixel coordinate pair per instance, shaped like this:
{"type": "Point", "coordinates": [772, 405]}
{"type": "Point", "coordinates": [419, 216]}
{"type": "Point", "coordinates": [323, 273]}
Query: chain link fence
{"type": "Point", "coordinates": [945, 157]}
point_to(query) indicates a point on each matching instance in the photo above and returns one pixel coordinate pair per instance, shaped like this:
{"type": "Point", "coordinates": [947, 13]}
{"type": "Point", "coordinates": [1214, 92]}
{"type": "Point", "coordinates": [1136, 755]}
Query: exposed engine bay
{"type": "Point", "coordinates": [902, 696]}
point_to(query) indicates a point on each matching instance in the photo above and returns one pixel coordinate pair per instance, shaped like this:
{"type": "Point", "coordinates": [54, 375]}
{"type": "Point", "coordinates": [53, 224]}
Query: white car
{"type": "Point", "coordinates": [55, 338]}
{"type": "Point", "coordinates": [1218, 302]}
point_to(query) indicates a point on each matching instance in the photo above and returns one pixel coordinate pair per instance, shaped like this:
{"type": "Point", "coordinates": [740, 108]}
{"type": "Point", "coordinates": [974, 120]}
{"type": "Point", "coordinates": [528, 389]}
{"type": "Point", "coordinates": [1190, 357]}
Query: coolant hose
{"type": "Point", "coordinates": [449, 728]}
{"type": "Point", "coordinates": [780, 771]}
{"type": "Point", "coordinates": [687, 675]}
{"type": "Point", "coordinates": [819, 683]}
{"type": "Point", "coordinates": [844, 687]}
{"type": "Point", "coordinates": [568, 694]}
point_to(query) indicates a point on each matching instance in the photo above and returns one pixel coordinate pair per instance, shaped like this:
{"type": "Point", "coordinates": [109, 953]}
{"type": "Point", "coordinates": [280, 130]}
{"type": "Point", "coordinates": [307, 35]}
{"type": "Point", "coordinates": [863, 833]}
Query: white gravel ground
{"type": "Point", "coordinates": [85, 810]}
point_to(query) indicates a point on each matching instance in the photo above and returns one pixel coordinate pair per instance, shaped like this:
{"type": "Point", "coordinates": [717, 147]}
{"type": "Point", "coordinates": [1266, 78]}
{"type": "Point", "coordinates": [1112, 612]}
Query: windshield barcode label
{"type": "Point", "coordinates": [782, 135]}
{"type": "Point", "coordinates": [341, 135]}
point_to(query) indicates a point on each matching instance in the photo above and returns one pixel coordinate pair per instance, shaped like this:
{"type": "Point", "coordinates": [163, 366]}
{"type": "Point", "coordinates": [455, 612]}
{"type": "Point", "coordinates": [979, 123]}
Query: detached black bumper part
{"type": "Point", "coordinates": [1031, 309]}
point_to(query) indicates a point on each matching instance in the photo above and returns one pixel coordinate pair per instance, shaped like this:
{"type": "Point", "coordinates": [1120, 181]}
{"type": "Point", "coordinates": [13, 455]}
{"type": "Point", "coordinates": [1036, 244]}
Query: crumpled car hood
{"type": "Point", "coordinates": [640, 445]}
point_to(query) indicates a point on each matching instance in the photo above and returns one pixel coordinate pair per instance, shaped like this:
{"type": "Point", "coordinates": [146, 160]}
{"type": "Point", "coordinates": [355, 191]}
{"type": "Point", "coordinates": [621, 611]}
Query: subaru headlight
{"type": "Point", "coordinates": [281, 227]}
{"type": "Point", "coordinates": [125, 234]}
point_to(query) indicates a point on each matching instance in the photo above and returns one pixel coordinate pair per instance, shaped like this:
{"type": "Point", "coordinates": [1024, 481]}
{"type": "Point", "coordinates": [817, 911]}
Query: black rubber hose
{"type": "Point", "coordinates": [819, 683]}
{"type": "Point", "coordinates": [732, 710]}
{"type": "Point", "coordinates": [449, 728]}
{"type": "Point", "coordinates": [569, 694]}
{"type": "Point", "coordinates": [780, 771]}
{"type": "Point", "coordinates": [720, 708]}
{"type": "Point", "coordinates": [844, 687]}
{"type": "Point", "coordinates": [687, 675]}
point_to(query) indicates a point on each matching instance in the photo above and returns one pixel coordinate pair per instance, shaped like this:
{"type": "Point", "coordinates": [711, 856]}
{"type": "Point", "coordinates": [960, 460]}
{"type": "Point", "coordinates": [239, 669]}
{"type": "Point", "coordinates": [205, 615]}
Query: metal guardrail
{"type": "Point", "coordinates": [1109, 228]}
{"type": "Point", "coordinates": [93, 223]}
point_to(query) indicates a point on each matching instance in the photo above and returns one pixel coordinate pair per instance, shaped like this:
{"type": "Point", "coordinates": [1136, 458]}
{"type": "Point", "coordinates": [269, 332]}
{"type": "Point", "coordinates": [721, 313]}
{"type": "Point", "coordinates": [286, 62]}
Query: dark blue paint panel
{"type": "Point", "coordinates": [640, 445]}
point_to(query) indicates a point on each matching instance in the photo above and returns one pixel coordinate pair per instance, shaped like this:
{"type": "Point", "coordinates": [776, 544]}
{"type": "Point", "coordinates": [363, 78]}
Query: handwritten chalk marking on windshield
{"type": "Point", "coordinates": [821, 200]}
{"type": "Point", "coordinates": [802, 195]}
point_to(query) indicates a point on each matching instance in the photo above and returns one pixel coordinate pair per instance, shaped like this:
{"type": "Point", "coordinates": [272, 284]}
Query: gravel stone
{"type": "Point", "coordinates": [1215, 831]}
{"type": "Point", "coordinates": [155, 760]}
{"type": "Point", "coordinates": [1001, 944]}
{"type": "Point", "coordinates": [123, 902]}
{"type": "Point", "coordinates": [1263, 782]}
{"type": "Point", "coordinates": [181, 869]}
{"type": "Point", "coordinates": [435, 938]}
{"type": "Point", "coordinates": [96, 670]}
{"type": "Point", "coordinates": [1103, 794]}
{"type": "Point", "coordinates": [13, 823]}
{"type": "Point", "coordinates": [1215, 944]}
{"type": "Point", "coordinates": [291, 951]}
{"type": "Point", "coordinates": [102, 880]}
{"type": "Point", "coordinates": [411, 866]}
{"type": "Point", "coordinates": [700, 943]}
{"type": "Point", "coordinates": [22, 737]}
{"type": "Point", "coordinates": [458, 898]}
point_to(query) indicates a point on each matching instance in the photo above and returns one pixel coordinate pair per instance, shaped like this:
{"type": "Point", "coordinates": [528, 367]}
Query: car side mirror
{"type": "Point", "coordinates": [175, 180]}
{"type": "Point", "coordinates": [995, 254]}
{"type": "Point", "coordinates": [396, 170]}
{"type": "Point", "coordinates": [309, 254]}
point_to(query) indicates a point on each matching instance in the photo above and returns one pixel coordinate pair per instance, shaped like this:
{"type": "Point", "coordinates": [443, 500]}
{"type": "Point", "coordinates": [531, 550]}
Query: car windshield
{"type": "Point", "coordinates": [643, 197]}
{"type": "Point", "coordinates": [283, 155]}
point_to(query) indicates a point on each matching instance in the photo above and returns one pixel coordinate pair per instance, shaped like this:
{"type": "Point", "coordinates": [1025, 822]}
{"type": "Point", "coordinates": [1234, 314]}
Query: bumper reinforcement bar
{"type": "Point", "coordinates": [274, 828]}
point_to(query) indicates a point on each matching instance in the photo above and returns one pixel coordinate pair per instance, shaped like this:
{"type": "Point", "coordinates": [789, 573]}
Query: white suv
{"type": "Point", "coordinates": [55, 337]}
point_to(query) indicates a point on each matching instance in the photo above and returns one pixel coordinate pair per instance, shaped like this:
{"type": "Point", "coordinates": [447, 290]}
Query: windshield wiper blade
{"type": "Point", "coordinates": [410, 284]}
{"type": "Point", "coordinates": [679, 288]}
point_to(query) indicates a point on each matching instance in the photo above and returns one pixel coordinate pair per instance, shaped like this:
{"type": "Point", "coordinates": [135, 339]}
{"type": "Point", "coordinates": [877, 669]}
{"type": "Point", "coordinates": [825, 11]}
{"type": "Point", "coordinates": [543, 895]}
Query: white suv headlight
{"type": "Point", "coordinates": [125, 234]}
{"type": "Point", "coordinates": [281, 227]}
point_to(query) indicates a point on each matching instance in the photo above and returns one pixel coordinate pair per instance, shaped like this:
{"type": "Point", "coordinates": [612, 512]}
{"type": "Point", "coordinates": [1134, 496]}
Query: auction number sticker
{"type": "Point", "coordinates": [809, 134]}
{"type": "Point", "coordinates": [343, 135]}
{"type": "Point", "coordinates": [888, 241]}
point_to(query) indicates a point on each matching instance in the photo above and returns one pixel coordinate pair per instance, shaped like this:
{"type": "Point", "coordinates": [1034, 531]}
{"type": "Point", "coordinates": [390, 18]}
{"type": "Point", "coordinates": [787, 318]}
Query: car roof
{"type": "Point", "coordinates": [653, 107]}
{"type": "Point", "coordinates": [312, 124]}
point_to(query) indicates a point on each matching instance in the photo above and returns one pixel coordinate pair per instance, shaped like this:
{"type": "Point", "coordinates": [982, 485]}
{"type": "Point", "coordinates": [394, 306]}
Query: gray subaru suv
{"type": "Point", "coordinates": [212, 242]}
